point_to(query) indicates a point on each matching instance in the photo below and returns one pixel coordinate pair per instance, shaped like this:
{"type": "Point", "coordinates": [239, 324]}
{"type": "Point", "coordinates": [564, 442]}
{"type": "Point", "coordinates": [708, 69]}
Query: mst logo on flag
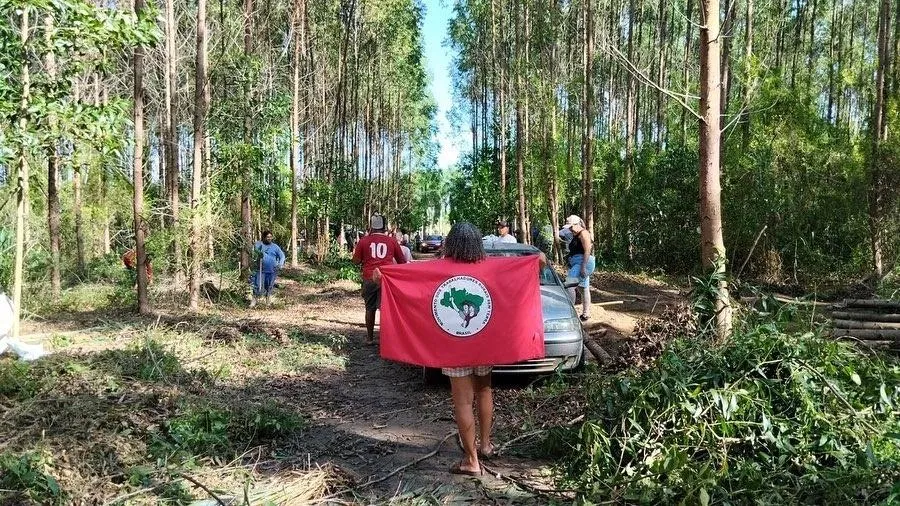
{"type": "Point", "coordinates": [462, 306]}
{"type": "Point", "coordinates": [444, 313]}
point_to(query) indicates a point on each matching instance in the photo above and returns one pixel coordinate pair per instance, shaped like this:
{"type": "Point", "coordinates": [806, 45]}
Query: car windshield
{"type": "Point", "coordinates": [433, 238]}
{"type": "Point", "coordinates": [547, 276]}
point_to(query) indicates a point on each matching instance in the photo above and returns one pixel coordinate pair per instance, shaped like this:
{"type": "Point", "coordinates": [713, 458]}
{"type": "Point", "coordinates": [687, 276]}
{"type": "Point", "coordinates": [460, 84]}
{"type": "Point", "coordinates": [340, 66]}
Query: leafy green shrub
{"type": "Point", "coordinates": [766, 418]}
{"type": "Point", "coordinates": [26, 476]}
{"type": "Point", "coordinates": [145, 360]}
{"type": "Point", "coordinates": [223, 431]}
{"type": "Point", "coordinates": [106, 269]}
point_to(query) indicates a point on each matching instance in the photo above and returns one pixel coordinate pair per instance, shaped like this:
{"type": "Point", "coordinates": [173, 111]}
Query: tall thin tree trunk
{"type": "Point", "coordinates": [200, 106]}
{"type": "Point", "coordinates": [295, 125]}
{"type": "Point", "coordinates": [22, 186]}
{"type": "Point", "coordinates": [170, 133]}
{"type": "Point", "coordinates": [879, 135]}
{"type": "Point", "coordinates": [246, 226]}
{"type": "Point", "coordinates": [142, 281]}
{"type": "Point", "coordinates": [748, 76]}
{"type": "Point", "coordinates": [587, 162]}
{"type": "Point", "coordinates": [712, 243]}
{"type": "Point", "coordinates": [79, 220]}
{"type": "Point", "coordinates": [53, 213]}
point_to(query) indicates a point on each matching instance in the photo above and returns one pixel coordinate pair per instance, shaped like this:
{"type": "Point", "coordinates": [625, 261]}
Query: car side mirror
{"type": "Point", "coordinates": [571, 282]}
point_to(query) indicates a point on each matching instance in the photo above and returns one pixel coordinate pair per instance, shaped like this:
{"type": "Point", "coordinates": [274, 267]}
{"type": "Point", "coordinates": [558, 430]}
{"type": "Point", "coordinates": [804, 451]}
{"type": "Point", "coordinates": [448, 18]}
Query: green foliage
{"type": "Point", "coordinates": [146, 360]}
{"type": "Point", "coordinates": [766, 418]}
{"type": "Point", "coordinates": [27, 476]}
{"type": "Point", "coordinates": [7, 258]}
{"type": "Point", "coordinates": [19, 380]}
{"type": "Point", "coordinates": [208, 430]}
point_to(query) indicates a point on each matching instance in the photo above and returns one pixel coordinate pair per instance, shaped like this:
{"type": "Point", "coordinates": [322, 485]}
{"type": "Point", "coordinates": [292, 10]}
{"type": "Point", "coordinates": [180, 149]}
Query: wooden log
{"type": "Point", "coordinates": [868, 335]}
{"type": "Point", "coordinates": [853, 324]}
{"type": "Point", "coordinates": [598, 352]}
{"type": "Point", "coordinates": [866, 316]}
{"type": "Point", "coordinates": [878, 345]}
{"type": "Point", "coordinates": [873, 304]}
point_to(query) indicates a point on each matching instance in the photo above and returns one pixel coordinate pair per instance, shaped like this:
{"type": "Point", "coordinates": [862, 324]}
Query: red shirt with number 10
{"type": "Point", "coordinates": [376, 250]}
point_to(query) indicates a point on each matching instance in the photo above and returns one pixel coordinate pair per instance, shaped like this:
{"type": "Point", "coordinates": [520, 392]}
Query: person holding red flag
{"type": "Point", "coordinates": [464, 313]}
{"type": "Point", "coordinates": [372, 251]}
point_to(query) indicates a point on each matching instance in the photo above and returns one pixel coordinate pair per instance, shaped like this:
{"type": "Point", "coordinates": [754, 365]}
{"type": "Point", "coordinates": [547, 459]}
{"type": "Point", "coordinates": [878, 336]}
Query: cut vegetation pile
{"type": "Point", "coordinates": [161, 419]}
{"type": "Point", "coordinates": [766, 418]}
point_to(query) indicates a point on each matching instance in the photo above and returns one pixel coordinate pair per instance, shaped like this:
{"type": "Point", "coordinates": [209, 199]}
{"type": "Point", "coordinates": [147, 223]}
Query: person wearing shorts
{"type": "Point", "coordinates": [581, 260]}
{"type": "Point", "coordinates": [376, 249]}
{"type": "Point", "coordinates": [470, 385]}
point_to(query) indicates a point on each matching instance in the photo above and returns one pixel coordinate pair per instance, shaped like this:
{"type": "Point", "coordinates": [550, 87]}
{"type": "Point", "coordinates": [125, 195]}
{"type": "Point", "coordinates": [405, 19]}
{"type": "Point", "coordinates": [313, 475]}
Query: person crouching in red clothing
{"type": "Point", "coordinates": [130, 261]}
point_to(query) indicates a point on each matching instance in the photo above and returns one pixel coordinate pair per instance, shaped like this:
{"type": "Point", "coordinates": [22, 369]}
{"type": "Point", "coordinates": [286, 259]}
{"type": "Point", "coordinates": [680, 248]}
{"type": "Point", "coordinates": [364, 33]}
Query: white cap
{"type": "Point", "coordinates": [376, 222]}
{"type": "Point", "coordinates": [573, 220]}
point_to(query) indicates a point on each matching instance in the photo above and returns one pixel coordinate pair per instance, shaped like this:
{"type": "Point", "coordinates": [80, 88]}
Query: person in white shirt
{"type": "Point", "coordinates": [503, 234]}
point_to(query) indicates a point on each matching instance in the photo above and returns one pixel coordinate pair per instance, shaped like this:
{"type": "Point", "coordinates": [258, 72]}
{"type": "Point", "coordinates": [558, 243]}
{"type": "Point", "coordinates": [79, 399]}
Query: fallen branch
{"type": "Point", "coordinates": [552, 495]}
{"type": "Point", "coordinates": [750, 254]}
{"type": "Point", "coordinates": [598, 352]}
{"type": "Point", "coordinates": [868, 335]}
{"type": "Point", "coordinates": [866, 317]}
{"type": "Point", "coordinates": [872, 303]}
{"type": "Point", "coordinates": [610, 303]}
{"type": "Point", "coordinates": [202, 486]}
{"type": "Point", "coordinates": [409, 464]}
{"type": "Point", "coordinates": [499, 450]}
{"type": "Point", "coordinates": [872, 325]}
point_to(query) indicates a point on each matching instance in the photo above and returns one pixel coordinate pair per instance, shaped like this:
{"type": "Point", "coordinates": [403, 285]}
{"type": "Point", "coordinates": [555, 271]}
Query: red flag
{"type": "Point", "coordinates": [445, 313]}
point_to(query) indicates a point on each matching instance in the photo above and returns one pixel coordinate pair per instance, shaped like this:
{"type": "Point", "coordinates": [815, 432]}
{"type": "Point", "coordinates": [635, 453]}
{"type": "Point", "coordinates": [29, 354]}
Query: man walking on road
{"type": "Point", "coordinates": [270, 258]}
{"type": "Point", "coordinates": [375, 250]}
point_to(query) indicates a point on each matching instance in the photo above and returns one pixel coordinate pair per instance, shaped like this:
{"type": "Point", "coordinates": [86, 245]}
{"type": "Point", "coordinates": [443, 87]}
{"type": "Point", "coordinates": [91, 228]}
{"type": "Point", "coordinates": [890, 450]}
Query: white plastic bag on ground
{"type": "Point", "coordinates": [22, 350]}
{"type": "Point", "coordinates": [6, 315]}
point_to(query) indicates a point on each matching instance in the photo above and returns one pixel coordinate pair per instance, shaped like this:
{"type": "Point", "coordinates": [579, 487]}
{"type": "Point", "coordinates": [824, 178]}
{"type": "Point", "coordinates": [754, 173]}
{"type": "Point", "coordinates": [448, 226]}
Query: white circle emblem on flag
{"type": "Point", "coordinates": [462, 306]}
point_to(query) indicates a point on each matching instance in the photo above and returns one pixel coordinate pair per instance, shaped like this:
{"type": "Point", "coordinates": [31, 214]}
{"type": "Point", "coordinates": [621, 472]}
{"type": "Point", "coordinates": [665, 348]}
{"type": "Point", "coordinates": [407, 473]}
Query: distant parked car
{"type": "Point", "coordinates": [432, 244]}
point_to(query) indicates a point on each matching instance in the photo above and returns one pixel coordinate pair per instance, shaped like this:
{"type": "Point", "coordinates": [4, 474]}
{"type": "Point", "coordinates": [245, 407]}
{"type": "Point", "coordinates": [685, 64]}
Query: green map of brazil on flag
{"type": "Point", "coordinates": [445, 313]}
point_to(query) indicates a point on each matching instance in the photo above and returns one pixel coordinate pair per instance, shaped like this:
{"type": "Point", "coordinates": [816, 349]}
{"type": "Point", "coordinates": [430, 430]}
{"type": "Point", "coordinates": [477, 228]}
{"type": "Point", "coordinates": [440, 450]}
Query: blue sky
{"type": "Point", "coordinates": [439, 61]}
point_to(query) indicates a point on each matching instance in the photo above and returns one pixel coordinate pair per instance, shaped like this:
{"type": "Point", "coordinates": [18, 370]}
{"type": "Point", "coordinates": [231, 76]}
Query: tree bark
{"type": "Point", "coordinates": [587, 162]}
{"type": "Point", "coordinates": [299, 27]}
{"type": "Point", "coordinates": [200, 106]}
{"type": "Point", "coordinates": [139, 228]}
{"type": "Point", "coordinates": [170, 133]}
{"type": "Point", "coordinates": [53, 212]}
{"type": "Point", "coordinates": [22, 186]}
{"type": "Point", "coordinates": [79, 220]}
{"type": "Point", "coordinates": [879, 135]}
{"type": "Point", "coordinates": [246, 226]}
{"type": "Point", "coordinates": [712, 243]}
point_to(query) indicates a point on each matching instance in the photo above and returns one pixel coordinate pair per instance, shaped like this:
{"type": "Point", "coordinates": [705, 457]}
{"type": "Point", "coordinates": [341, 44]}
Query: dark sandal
{"type": "Point", "coordinates": [456, 469]}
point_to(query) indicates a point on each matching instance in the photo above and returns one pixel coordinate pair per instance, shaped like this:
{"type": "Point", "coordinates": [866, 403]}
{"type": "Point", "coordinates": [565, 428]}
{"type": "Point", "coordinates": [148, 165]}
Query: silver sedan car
{"type": "Point", "coordinates": [563, 333]}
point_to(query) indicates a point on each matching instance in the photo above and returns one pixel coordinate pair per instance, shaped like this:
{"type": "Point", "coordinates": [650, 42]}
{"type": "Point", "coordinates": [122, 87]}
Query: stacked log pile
{"type": "Point", "coordinates": [877, 322]}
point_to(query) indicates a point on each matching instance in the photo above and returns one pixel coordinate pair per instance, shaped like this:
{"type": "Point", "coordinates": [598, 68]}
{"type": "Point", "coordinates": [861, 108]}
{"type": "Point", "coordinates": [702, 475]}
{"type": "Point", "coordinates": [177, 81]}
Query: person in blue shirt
{"type": "Point", "coordinates": [269, 259]}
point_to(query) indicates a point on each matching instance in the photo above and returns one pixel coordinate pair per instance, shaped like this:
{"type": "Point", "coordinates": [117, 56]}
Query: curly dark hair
{"type": "Point", "coordinates": [464, 243]}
